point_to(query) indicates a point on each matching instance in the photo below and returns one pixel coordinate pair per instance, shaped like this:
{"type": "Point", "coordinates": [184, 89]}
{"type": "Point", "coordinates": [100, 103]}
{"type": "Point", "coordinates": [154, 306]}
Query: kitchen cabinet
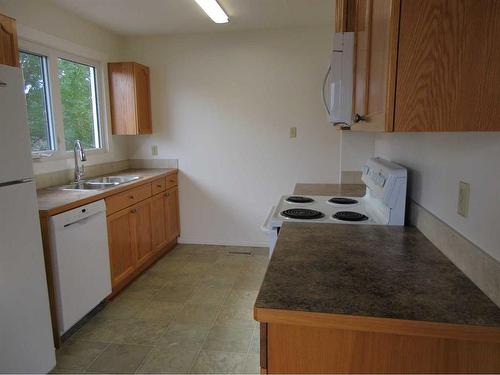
{"type": "Point", "coordinates": [9, 52]}
{"type": "Point", "coordinates": [141, 227]}
{"type": "Point", "coordinates": [159, 226]}
{"type": "Point", "coordinates": [171, 203]}
{"type": "Point", "coordinates": [424, 65]}
{"type": "Point", "coordinates": [130, 98]}
{"type": "Point", "coordinates": [448, 73]}
{"type": "Point", "coordinates": [122, 256]}
{"type": "Point", "coordinates": [345, 12]}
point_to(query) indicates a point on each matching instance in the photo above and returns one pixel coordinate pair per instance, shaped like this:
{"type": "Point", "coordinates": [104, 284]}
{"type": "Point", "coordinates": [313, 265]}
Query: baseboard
{"type": "Point", "coordinates": [482, 269]}
{"type": "Point", "coordinates": [197, 241]}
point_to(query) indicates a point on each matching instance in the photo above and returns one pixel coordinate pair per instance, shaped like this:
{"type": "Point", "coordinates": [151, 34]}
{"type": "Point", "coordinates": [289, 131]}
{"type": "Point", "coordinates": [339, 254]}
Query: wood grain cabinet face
{"type": "Point", "coordinates": [9, 52]}
{"type": "Point", "coordinates": [371, 59]}
{"type": "Point", "coordinates": [130, 98]}
{"type": "Point", "coordinates": [426, 65]}
{"type": "Point", "coordinates": [171, 203]}
{"type": "Point", "coordinates": [158, 222]}
{"type": "Point", "coordinates": [122, 252]}
{"type": "Point", "coordinates": [142, 227]}
{"type": "Point", "coordinates": [140, 233]}
{"type": "Point", "coordinates": [448, 74]}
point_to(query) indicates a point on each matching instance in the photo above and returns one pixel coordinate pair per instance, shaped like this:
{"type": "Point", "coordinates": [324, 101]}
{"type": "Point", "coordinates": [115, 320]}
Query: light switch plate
{"type": "Point", "coordinates": [154, 150]}
{"type": "Point", "coordinates": [293, 132]}
{"type": "Point", "coordinates": [463, 198]}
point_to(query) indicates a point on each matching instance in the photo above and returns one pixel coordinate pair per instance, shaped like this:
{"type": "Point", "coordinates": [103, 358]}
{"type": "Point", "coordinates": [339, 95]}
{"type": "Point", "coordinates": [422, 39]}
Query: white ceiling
{"type": "Point", "coordinates": [150, 17]}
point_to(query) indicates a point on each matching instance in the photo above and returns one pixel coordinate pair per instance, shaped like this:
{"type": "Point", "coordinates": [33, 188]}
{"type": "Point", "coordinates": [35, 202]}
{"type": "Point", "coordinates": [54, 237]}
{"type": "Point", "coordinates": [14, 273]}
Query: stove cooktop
{"type": "Point", "coordinates": [302, 213]}
{"type": "Point", "coordinates": [321, 209]}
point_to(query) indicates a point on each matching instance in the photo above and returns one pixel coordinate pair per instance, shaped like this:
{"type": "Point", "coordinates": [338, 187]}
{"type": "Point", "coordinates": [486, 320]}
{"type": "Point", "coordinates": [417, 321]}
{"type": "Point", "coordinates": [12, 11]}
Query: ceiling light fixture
{"type": "Point", "coordinates": [213, 10]}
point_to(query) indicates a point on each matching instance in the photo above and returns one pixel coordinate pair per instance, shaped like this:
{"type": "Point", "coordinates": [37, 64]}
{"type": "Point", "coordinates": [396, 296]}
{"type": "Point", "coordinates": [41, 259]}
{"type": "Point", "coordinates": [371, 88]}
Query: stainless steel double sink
{"type": "Point", "coordinates": [99, 183]}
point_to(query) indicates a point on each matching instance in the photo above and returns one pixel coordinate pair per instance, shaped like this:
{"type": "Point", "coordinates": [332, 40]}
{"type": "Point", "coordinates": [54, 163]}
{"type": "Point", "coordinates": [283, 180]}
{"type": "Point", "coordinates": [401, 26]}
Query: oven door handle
{"type": "Point", "coordinates": [266, 227]}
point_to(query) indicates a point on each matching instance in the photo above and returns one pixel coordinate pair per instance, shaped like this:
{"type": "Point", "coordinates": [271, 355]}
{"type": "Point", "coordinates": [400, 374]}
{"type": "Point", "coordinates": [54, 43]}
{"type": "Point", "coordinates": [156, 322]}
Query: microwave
{"type": "Point", "coordinates": [339, 79]}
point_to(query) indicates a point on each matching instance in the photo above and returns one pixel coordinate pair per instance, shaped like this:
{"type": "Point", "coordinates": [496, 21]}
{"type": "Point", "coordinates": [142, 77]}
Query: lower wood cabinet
{"type": "Point", "coordinates": [122, 255]}
{"type": "Point", "coordinates": [142, 218]}
{"type": "Point", "coordinates": [141, 233]}
{"type": "Point", "coordinates": [171, 205]}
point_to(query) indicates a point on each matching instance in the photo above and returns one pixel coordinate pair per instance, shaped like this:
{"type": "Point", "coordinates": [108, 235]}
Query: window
{"type": "Point", "coordinates": [57, 118]}
{"type": "Point", "coordinates": [79, 103]}
{"type": "Point", "coordinates": [36, 90]}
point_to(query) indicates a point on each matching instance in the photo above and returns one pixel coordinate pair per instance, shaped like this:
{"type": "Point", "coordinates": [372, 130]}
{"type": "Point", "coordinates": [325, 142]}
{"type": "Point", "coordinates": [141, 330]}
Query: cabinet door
{"type": "Point", "coordinates": [448, 73]}
{"type": "Point", "coordinates": [345, 15]}
{"type": "Point", "coordinates": [172, 213]}
{"type": "Point", "coordinates": [9, 53]}
{"type": "Point", "coordinates": [371, 65]}
{"type": "Point", "coordinates": [141, 214]}
{"type": "Point", "coordinates": [158, 223]}
{"type": "Point", "coordinates": [122, 254]}
{"type": "Point", "coordinates": [143, 99]}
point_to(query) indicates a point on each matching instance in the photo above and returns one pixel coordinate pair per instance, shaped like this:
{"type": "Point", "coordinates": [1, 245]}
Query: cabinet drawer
{"type": "Point", "coordinates": [127, 198]}
{"type": "Point", "coordinates": [171, 180]}
{"type": "Point", "coordinates": [158, 185]}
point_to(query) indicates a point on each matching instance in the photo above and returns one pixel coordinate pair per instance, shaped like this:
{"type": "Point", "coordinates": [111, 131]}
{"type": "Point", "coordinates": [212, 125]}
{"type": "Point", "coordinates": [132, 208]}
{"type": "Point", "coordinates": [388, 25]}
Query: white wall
{"type": "Point", "coordinates": [41, 22]}
{"type": "Point", "coordinates": [437, 162]}
{"type": "Point", "coordinates": [357, 148]}
{"type": "Point", "coordinates": [223, 104]}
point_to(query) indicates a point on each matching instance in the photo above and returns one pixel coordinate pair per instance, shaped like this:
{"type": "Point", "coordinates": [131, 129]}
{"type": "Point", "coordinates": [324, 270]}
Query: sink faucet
{"type": "Point", "coordinates": [79, 154]}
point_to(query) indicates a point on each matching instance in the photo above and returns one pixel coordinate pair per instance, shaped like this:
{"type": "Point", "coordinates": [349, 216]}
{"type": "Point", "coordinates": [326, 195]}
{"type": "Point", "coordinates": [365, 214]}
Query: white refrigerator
{"type": "Point", "coordinates": [26, 343]}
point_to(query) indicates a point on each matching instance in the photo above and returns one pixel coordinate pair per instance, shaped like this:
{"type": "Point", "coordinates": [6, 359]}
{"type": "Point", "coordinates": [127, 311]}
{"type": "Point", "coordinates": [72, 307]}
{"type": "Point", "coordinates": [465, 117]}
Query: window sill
{"type": "Point", "coordinates": [45, 156]}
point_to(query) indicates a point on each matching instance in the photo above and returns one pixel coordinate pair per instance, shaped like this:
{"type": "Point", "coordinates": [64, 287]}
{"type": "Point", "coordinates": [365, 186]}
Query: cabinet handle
{"type": "Point", "coordinates": [171, 180]}
{"type": "Point", "coordinates": [358, 118]}
{"type": "Point", "coordinates": [133, 210]}
{"type": "Point", "coordinates": [158, 186]}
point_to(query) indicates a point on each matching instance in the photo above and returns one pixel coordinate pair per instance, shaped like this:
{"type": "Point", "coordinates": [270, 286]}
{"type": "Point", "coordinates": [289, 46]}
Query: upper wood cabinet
{"type": "Point", "coordinates": [448, 74]}
{"type": "Point", "coordinates": [130, 98]}
{"type": "Point", "coordinates": [345, 12]}
{"type": "Point", "coordinates": [425, 65]}
{"type": "Point", "coordinates": [9, 52]}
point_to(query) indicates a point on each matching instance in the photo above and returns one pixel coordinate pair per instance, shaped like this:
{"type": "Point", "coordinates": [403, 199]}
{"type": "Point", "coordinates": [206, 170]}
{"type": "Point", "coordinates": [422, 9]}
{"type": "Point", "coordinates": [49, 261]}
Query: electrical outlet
{"type": "Point", "coordinates": [154, 150]}
{"type": "Point", "coordinates": [293, 132]}
{"type": "Point", "coordinates": [463, 198]}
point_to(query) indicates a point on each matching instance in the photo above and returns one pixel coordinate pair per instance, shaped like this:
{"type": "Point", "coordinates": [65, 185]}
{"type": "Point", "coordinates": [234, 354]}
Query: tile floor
{"type": "Point", "coordinates": [189, 313]}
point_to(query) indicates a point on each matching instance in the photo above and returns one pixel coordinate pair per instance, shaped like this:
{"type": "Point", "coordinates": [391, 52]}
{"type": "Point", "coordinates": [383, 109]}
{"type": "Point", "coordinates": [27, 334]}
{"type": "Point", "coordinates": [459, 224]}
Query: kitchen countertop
{"type": "Point", "coordinates": [52, 201]}
{"type": "Point", "coordinates": [346, 190]}
{"type": "Point", "coordinates": [371, 271]}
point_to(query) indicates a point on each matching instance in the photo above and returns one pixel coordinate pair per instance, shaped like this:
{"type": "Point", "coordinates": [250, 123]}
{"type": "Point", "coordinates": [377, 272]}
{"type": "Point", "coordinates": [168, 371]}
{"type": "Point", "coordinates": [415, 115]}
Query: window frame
{"type": "Point", "coordinates": [48, 102]}
{"type": "Point", "coordinates": [54, 102]}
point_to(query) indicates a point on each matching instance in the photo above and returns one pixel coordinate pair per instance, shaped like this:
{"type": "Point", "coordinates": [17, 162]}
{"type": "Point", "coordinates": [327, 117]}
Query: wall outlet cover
{"type": "Point", "coordinates": [463, 198]}
{"type": "Point", "coordinates": [154, 150]}
{"type": "Point", "coordinates": [293, 132]}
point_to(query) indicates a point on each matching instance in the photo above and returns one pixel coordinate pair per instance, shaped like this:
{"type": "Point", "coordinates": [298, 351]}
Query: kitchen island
{"type": "Point", "coordinates": [363, 298]}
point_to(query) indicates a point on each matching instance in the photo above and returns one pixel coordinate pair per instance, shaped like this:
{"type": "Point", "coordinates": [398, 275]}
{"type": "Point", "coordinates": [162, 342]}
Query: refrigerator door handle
{"type": "Point", "coordinates": [2, 84]}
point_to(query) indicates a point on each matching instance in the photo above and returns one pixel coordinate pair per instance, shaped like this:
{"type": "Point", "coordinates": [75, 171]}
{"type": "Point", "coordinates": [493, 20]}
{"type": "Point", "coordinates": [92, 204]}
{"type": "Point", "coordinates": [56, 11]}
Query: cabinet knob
{"type": "Point", "coordinates": [358, 118]}
{"type": "Point", "coordinates": [131, 197]}
{"type": "Point", "coordinates": [158, 186]}
{"type": "Point", "coordinates": [171, 180]}
{"type": "Point", "coordinates": [167, 194]}
{"type": "Point", "coordinates": [133, 210]}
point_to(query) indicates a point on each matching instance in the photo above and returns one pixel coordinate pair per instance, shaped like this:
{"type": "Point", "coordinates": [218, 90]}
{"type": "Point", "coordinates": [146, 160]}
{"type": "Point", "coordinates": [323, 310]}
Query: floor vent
{"type": "Point", "coordinates": [240, 253]}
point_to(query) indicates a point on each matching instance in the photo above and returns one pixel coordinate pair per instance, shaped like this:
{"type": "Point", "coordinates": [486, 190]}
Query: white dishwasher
{"type": "Point", "coordinates": [80, 261]}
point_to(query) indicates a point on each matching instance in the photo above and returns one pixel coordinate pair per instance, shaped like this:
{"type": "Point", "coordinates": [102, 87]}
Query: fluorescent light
{"type": "Point", "coordinates": [213, 10]}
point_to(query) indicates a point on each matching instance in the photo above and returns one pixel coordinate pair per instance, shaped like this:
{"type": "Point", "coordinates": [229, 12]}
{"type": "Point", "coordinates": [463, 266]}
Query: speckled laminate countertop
{"type": "Point", "coordinates": [52, 201]}
{"type": "Point", "coordinates": [346, 190]}
{"type": "Point", "coordinates": [375, 271]}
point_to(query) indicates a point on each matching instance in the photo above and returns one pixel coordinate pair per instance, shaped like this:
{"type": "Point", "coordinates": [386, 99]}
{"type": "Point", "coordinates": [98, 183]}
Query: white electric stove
{"type": "Point", "coordinates": [383, 204]}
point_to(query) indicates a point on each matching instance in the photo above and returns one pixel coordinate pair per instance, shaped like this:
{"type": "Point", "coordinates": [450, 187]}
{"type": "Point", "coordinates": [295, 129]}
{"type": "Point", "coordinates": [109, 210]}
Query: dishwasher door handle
{"type": "Point", "coordinates": [82, 220]}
